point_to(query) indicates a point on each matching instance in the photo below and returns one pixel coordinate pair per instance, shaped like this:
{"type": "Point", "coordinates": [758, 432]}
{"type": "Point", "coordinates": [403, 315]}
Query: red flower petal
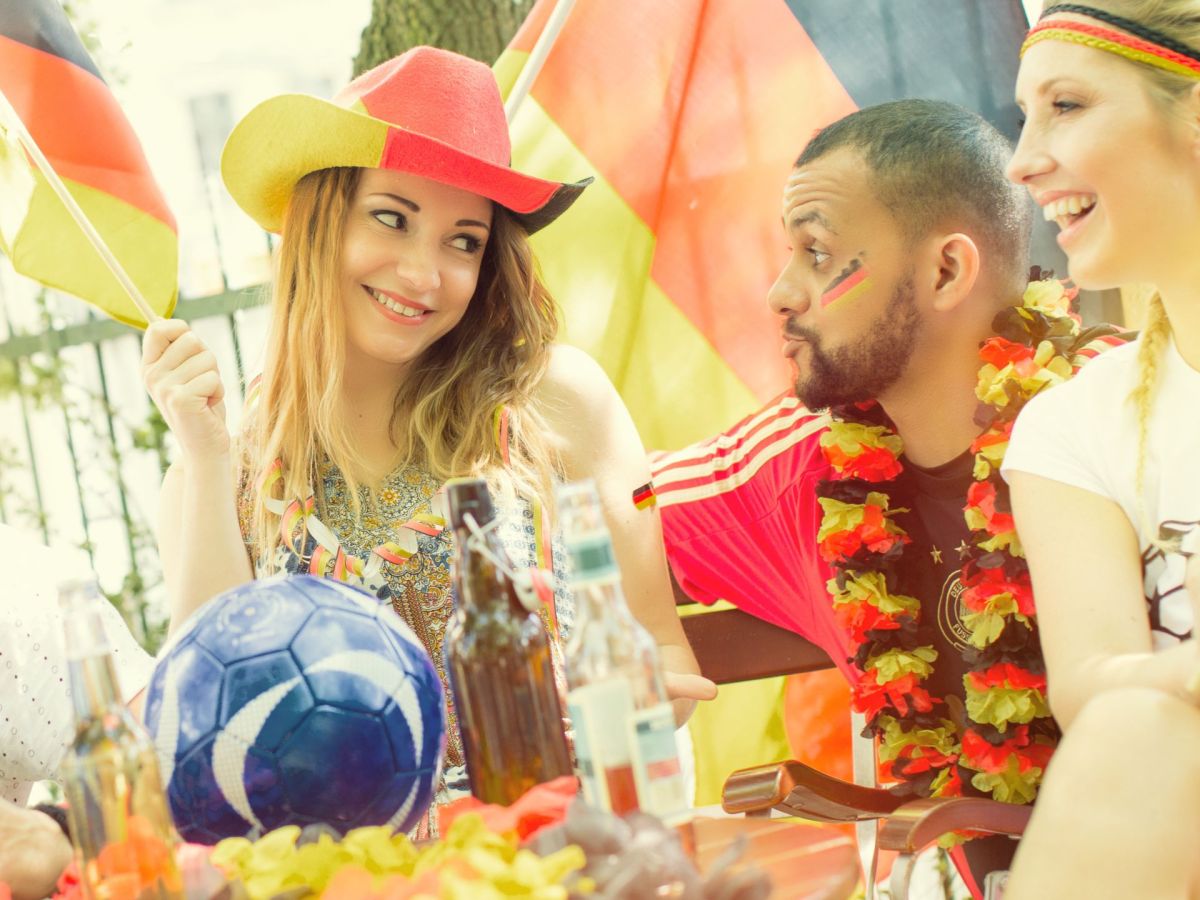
{"type": "Point", "coordinates": [997, 434]}
{"type": "Point", "coordinates": [1000, 352]}
{"type": "Point", "coordinates": [859, 618]}
{"type": "Point", "coordinates": [902, 694]}
{"type": "Point", "coordinates": [873, 464]}
{"type": "Point", "coordinates": [1006, 675]}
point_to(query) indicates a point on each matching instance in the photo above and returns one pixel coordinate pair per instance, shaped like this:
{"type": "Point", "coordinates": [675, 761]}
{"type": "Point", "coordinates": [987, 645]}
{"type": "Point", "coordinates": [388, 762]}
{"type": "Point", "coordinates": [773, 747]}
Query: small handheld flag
{"type": "Point", "coordinates": [57, 101]}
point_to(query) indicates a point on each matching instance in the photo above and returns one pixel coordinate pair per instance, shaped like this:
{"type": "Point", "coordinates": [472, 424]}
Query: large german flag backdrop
{"type": "Point", "coordinates": [48, 77]}
{"type": "Point", "coordinates": [690, 114]}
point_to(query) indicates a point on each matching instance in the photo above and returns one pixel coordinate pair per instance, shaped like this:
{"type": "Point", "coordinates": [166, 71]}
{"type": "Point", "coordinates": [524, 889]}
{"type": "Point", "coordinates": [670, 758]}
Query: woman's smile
{"type": "Point", "coordinates": [398, 309]}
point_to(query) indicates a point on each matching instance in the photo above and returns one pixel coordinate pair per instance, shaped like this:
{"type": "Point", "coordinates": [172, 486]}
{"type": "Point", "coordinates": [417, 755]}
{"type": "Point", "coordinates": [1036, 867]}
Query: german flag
{"type": "Point", "coordinates": [56, 89]}
{"type": "Point", "coordinates": [690, 113]}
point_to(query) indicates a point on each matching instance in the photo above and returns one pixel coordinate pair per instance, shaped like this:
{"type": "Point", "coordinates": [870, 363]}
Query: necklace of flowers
{"type": "Point", "coordinates": [1003, 738]}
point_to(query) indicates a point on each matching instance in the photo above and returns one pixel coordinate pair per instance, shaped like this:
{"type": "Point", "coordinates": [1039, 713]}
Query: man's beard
{"type": "Point", "coordinates": [865, 368]}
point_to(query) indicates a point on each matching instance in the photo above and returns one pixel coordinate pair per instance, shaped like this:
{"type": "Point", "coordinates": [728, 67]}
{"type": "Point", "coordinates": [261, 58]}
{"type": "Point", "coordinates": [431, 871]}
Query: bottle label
{"type": "Point", "coordinates": [600, 713]}
{"type": "Point", "coordinates": [660, 785]}
{"type": "Point", "coordinates": [592, 558]}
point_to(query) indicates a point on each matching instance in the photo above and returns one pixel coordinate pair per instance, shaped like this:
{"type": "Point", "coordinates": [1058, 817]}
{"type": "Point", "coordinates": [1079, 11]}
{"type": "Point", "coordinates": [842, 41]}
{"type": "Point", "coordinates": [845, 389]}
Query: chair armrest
{"type": "Point", "coordinates": [799, 790]}
{"type": "Point", "coordinates": [917, 824]}
{"type": "Point", "coordinates": [733, 646]}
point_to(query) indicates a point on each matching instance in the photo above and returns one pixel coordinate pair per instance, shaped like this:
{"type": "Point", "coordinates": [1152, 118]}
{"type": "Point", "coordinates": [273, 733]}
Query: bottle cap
{"type": "Point", "coordinates": [469, 495]}
{"type": "Point", "coordinates": [535, 588]}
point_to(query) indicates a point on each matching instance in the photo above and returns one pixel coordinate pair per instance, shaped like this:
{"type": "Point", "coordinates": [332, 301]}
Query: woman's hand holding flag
{"type": "Point", "coordinates": [182, 378]}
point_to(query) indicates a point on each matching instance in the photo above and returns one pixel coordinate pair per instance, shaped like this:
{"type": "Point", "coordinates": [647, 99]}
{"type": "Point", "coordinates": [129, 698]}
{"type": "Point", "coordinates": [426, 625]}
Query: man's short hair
{"type": "Point", "coordinates": [937, 165]}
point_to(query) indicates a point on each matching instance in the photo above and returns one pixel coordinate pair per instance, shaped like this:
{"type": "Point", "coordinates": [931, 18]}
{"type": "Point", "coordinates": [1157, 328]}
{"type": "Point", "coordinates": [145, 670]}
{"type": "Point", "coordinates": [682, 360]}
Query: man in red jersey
{"type": "Point", "coordinates": [908, 246]}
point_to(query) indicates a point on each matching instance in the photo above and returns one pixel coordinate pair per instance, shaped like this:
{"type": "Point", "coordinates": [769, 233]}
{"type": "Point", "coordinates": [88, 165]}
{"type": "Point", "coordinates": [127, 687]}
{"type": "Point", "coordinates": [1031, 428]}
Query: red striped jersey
{"type": "Point", "coordinates": [740, 516]}
{"type": "Point", "coordinates": [740, 519]}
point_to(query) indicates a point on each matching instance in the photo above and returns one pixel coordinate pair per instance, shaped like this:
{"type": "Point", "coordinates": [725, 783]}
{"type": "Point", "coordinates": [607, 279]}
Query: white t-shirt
{"type": "Point", "coordinates": [36, 716]}
{"type": "Point", "coordinates": [1085, 433]}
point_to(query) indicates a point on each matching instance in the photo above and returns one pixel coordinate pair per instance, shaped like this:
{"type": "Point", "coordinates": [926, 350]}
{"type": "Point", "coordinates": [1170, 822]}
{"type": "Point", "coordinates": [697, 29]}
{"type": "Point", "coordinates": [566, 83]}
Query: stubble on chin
{"type": "Point", "coordinates": [864, 369]}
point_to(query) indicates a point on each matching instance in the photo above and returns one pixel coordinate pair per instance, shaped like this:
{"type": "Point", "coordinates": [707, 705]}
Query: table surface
{"type": "Point", "coordinates": [804, 860]}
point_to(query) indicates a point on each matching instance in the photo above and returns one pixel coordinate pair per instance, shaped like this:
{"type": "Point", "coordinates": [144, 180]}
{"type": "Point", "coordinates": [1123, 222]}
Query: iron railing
{"type": "Point", "coordinates": [48, 379]}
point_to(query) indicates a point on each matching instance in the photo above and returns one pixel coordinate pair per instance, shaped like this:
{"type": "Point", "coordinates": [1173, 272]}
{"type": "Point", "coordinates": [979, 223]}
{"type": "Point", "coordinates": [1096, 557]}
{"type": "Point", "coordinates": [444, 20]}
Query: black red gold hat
{"type": "Point", "coordinates": [427, 112]}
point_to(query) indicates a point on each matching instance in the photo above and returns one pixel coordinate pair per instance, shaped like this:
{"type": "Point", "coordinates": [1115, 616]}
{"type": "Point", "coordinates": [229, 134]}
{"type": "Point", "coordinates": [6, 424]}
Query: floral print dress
{"type": "Point", "coordinates": [400, 549]}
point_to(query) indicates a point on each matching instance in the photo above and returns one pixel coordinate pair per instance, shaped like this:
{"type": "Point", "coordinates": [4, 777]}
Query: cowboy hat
{"type": "Point", "coordinates": [427, 112]}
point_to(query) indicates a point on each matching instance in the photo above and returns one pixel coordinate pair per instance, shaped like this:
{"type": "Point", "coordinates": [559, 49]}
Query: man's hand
{"type": "Point", "coordinates": [688, 687]}
{"type": "Point", "coordinates": [33, 851]}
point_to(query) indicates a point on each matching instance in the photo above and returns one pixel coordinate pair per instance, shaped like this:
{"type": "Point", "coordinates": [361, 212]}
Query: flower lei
{"type": "Point", "coordinates": [1003, 739]}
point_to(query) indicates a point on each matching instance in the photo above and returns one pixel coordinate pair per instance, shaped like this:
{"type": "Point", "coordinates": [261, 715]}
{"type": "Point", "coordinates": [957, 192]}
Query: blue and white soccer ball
{"type": "Point", "coordinates": [296, 700]}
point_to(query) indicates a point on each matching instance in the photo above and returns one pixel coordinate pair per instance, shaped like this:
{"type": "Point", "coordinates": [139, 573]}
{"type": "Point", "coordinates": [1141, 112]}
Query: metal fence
{"type": "Point", "coordinates": [82, 449]}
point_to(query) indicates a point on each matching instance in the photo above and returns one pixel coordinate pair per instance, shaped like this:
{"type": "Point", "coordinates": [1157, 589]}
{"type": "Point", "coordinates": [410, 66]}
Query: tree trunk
{"type": "Point", "coordinates": [480, 29]}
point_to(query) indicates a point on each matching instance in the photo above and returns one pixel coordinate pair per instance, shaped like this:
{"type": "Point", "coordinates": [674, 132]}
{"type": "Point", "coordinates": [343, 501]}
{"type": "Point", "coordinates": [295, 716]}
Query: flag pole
{"type": "Point", "coordinates": [9, 114]}
{"type": "Point", "coordinates": [537, 58]}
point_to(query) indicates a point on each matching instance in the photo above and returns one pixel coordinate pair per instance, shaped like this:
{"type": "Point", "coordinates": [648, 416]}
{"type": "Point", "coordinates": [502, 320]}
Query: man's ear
{"type": "Point", "coordinates": [955, 270]}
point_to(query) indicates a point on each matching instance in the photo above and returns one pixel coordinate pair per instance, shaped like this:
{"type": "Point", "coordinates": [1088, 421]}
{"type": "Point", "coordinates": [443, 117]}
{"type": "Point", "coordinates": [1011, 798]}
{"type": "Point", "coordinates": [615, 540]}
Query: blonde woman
{"type": "Point", "coordinates": [411, 341]}
{"type": "Point", "coordinates": [1105, 486]}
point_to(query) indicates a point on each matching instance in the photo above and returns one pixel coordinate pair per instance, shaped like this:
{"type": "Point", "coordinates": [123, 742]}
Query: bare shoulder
{"type": "Point", "coordinates": [574, 384]}
{"type": "Point", "coordinates": [586, 416]}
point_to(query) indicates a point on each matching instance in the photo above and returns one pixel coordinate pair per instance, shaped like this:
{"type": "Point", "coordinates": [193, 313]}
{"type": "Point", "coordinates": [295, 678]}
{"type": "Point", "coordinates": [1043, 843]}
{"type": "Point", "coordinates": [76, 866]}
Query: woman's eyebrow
{"type": "Point", "coordinates": [403, 201]}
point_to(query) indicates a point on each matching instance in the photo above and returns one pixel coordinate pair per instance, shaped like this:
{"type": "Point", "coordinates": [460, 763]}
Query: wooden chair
{"type": "Point", "coordinates": [733, 646]}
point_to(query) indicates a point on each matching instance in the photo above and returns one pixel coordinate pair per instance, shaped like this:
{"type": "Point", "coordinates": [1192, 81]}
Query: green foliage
{"type": "Point", "coordinates": [152, 435]}
{"type": "Point", "coordinates": [47, 381]}
{"type": "Point", "coordinates": [480, 29]}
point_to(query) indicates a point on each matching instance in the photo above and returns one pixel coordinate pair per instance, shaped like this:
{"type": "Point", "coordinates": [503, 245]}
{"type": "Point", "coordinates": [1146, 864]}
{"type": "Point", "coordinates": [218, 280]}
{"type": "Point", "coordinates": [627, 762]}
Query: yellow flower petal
{"type": "Point", "coordinates": [1048, 297]}
{"type": "Point", "coordinates": [896, 663]}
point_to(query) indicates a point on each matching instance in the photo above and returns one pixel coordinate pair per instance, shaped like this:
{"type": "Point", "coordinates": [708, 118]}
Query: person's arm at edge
{"type": "Point", "coordinates": [1085, 563]}
{"type": "Point", "coordinates": [33, 851]}
{"type": "Point", "coordinates": [199, 539]}
{"type": "Point", "coordinates": [600, 441]}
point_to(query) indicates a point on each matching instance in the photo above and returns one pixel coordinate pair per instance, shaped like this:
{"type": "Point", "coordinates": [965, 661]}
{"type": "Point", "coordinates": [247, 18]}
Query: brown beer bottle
{"type": "Point", "coordinates": [498, 660]}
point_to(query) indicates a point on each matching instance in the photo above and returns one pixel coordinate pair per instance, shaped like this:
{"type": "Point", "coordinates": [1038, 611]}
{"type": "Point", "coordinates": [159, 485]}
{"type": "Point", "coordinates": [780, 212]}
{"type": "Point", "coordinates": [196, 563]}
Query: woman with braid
{"type": "Point", "coordinates": [1104, 471]}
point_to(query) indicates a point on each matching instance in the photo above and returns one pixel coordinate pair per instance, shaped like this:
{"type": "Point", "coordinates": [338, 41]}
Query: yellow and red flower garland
{"type": "Point", "coordinates": [1003, 739]}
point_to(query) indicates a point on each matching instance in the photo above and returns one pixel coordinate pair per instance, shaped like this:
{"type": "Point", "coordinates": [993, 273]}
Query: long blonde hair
{"type": "Point", "coordinates": [442, 418]}
{"type": "Point", "coordinates": [1180, 20]}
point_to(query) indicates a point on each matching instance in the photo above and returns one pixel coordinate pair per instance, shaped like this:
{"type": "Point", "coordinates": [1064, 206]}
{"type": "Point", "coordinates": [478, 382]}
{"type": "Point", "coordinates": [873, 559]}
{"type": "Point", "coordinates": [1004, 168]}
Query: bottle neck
{"type": "Point", "coordinates": [480, 581]}
{"type": "Point", "coordinates": [94, 691]}
{"type": "Point", "coordinates": [596, 578]}
{"type": "Point", "coordinates": [600, 601]}
{"type": "Point", "coordinates": [93, 675]}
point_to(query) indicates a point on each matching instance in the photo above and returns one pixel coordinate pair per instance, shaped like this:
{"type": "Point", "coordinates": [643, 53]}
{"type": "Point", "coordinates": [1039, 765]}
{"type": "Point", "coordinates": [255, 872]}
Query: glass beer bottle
{"type": "Point", "coordinates": [120, 823]}
{"type": "Point", "coordinates": [623, 721]}
{"type": "Point", "coordinates": [499, 662]}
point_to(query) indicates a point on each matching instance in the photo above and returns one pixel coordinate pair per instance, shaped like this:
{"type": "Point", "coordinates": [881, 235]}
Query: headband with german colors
{"type": "Point", "coordinates": [1136, 42]}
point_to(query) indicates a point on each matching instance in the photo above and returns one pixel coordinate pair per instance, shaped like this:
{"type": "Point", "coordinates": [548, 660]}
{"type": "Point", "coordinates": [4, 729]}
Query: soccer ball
{"type": "Point", "coordinates": [295, 700]}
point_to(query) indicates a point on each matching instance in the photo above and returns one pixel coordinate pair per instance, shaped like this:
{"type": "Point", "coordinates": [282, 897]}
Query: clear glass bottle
{"type": "Point", "coordinates": [623, 721]}
{"type": "Point", "coordinates": [120, 823]}
{"type": "Point", "coordinates": [498, 657]}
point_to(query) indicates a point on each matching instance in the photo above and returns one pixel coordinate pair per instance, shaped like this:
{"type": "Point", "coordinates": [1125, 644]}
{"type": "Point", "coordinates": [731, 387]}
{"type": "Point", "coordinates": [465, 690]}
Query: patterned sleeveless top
{"type": "Point", "coordinates": [400, 549]}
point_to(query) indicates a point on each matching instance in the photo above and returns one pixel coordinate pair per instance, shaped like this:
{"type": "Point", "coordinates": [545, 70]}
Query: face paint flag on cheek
{"type": "Point", "coordinates": [852, 283]}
